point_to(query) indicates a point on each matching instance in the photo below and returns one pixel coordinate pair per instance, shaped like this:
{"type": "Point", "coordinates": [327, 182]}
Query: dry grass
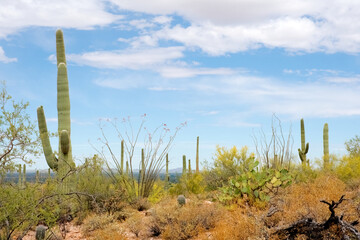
{"type": "Point", "coordinates": [237, 224]}
{"type": "Point", "coordinates": [95, 222]}
{"type": "Point", "coordinates": [179, 223]}
{"type": "Point", "coordinates": [303, 201]}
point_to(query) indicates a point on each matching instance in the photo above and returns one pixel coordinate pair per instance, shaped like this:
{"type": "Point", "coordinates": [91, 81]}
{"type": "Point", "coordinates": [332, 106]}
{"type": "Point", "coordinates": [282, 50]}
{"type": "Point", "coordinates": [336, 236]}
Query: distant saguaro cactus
{"type": "Point", "coordinates": [184, 165]}
{"type": "Point", "coordinates": [326, 145]}
{"type": "Point", "coordinates": [304, 148]}
{"type": "Point", "coordinates": [189, 166]}
{"type": "Point", "coordinates": [64, 162]}
{"type": "Point", "coordinates": [197, 155]}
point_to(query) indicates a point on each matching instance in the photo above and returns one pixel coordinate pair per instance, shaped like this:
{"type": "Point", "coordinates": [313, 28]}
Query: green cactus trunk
{"type": "Point", "coordinates": [127, 168]}
{"type": "Point", "coordinates": [197, 155]}
{"type": "Point", "coordinates": [167, 179]}
{"type": "Point", "coordinates": [304, 148]}
{"type": "Point", "coordinates": [189, 166]}
{"type": "Point", "coordinates": [184, 165]}
{"type": "Point", "coordinates": [24, 176]}
{"type": "Point", "coordinates": [326, 145]}
{"type": "Point", "coordinates": [37, 176]}
{"type": "Point", "coordinates": [64, 163]}
{"type": "Point", "coordinates": [19, 175]}
{"type": "Point", "coordinates": [122, 157]}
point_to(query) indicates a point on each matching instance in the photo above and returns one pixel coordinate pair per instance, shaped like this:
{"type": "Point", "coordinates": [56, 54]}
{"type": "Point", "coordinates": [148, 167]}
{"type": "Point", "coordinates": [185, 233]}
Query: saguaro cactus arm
{"type": "Point", "coordinates": [44, 136]}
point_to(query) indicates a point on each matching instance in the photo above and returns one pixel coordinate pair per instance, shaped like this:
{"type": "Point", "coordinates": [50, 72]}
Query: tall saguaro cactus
{"type": "Point", "coordinates": [197, 154]}
{"type": "Point", "coordinates": [184, 165]}
{"type": "Point", "coordinates": [122, 157]}
{"type": "Point", "coordinates": [326, 145]}
{"type": "Point", "coordinates": [64, 162]}
{"type": "Point", "coordinates": [304, 148]}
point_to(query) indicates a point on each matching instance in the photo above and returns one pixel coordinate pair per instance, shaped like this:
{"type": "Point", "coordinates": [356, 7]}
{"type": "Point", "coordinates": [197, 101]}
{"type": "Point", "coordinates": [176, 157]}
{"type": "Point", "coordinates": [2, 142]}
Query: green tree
{"type": "Point", "coordinates": [353, 146]}
{"type": "Point", "coordinates": [17, 132]}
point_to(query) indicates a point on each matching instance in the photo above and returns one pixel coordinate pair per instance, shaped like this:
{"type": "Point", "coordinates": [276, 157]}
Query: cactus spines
{"type": "Point", "coordinates": [64, 161]}
{"type": "Point", "coordinates": [304, 148]}
{"type": "Point", "coordinates": [167, 169]}
{"type": "Point", "coordinates": [181, 200]}
{"type": "Point", "coordinates": [197, 154]}
{"type": "Point", "coordinates": [122, 157]}
{"type": "Point", "coordinates": [326, 145]}
{"type": "Point", "coordinates": [184, 165]}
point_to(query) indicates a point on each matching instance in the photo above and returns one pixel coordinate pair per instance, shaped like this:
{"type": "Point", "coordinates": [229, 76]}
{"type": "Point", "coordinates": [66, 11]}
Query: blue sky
{"type": "Point", "coordinates": [224, 67]}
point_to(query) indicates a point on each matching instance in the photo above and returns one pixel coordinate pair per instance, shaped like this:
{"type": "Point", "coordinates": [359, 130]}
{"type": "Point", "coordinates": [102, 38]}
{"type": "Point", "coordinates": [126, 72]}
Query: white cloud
{"type": "Point", "coordinates": [131, 59]}
{"type": "Point", "coordinates": [160, 60]}
{"type": "Point", "coordinates": [80, 14]}
{"type": "Point", "coordinates": [221, 27]}
{"type": "Point", "coordinates": [4, 58]}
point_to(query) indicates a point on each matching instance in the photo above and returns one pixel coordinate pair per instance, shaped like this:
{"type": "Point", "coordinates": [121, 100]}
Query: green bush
{"type": "Point", "coordinates": [191, 183]}
{"type": "Point", "coordinates": [227, 163]}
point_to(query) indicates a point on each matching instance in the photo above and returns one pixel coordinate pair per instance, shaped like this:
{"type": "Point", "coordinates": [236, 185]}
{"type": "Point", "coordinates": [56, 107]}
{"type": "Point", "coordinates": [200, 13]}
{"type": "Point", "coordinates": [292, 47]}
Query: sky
{"type": "Point", "coordinates": [222, 67]}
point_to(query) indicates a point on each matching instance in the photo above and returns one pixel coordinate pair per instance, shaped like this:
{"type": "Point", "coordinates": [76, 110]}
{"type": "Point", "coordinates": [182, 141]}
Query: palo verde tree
{"type": "Point", "coordinates": [17, 132]}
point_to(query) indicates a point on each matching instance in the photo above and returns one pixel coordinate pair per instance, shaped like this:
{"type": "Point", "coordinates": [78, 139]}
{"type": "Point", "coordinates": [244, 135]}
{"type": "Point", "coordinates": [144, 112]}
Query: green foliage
{"type": "Point", "coordinates": [192, 183]}
{"type": "Point", "coordinates": [353, 146]}
{"type": "Point", "coordinates": [17, 132]}
{"type": "Point", "coordinates": [348, 169]}
{"type": "Point", "coordinates": [227, 163]}
{"type": "Point", "coordinates": [255, 185]}
{"type": "Point", "coordinates": [158, 192]}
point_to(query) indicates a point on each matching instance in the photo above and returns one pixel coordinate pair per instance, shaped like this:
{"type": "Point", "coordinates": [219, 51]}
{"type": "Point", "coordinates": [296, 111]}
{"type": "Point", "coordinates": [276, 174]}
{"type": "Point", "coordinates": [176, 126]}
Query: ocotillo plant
{"type": "Point", "coordinates": [304, 148]}
{"type": "Point", "coordinates": [167, 178]}
{"type": "Point", "coordinates": [122, 157]}
{"type": "Point", "coordinates": [64, 162]}
{"type": "Point", "coordinates": [197, 154]}
{"type": "Point", "coordinates": [326, 145]}
{"type": "Point", "coordinates": [184, 165]}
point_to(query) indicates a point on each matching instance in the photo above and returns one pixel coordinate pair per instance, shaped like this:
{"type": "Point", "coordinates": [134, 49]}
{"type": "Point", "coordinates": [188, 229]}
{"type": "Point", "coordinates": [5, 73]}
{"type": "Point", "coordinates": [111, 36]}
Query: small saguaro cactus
{"type": "Point", "coordinates": [64, 162]}
{"type": "Point", "coordinates": [37, 176]}
{"type": "Point", "coordinates": [197, 155]}
{"type": "Point", "coordinates": [127, 168]}
{"type": "Point", "coordinates": [304, 148]}
{"type": "Point", "coordinates": [181, 200]}
{"type": "Point", "coordinates": [189, 166]}
{"type": "Point", "coordinates": [184, 165]}
{"type": "Point", "coordinates": [326, 145]}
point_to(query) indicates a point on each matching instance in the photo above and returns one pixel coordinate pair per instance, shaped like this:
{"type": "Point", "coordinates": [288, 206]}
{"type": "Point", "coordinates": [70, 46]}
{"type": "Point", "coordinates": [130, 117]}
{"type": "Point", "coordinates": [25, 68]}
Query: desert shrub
{"type": "Point", "coordinates": [95, 221]}
{"type": "Point", "coordinates": [302, 200]}
{"type": "Point", "coordinates": [111, 232]}
{"type": "Point", "coordinates": [134, 223]}
{"type": "Point", "coordinates": [190, 183]}
{"type": "Point", "coordinates": [158, 192]}
{"type": "Point", "coordinates": [256, 186]}
{"type": "Point", "coordinates": [348, 169]}
{"type": "Point", "coordinates": [227, 163]}
{"type": "Point", "coordinates": [141, 204]}
{"type": "Point", "coordinates": [236, 225]}
{"type": "Point", "coordinates": [179, 223]}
